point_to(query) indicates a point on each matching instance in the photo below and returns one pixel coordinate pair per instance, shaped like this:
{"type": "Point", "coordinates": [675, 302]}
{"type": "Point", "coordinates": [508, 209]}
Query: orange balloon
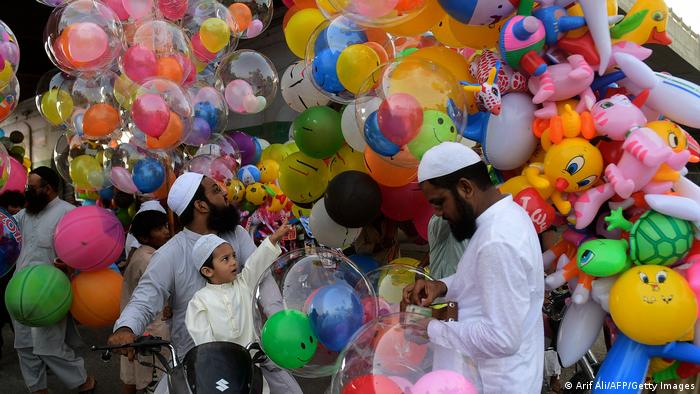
{"type": "Point", "coordinates": [170, 68]}
{"type": "Point", "coordinates": [171, 137]}
{"type": "Point", "coordinates": [62, 52]}
{"type": "Point", "coordinates": [421, 22]}
{"type": "Point", "coordinates": [386, 174]}
{"type": "Point", "coordinates": [96, 297]}
{"type": "Point", "coordinates": [447, 58]}
{"type": "Point", "coordinates": [100, 120]}
{"type": "Point", "coordinates": [298, 6]}
{"type": "Point", "coordinates": [242, 15]}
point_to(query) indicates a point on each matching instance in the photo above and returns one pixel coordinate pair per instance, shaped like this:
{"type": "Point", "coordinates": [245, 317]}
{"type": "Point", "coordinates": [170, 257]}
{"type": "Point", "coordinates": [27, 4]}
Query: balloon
{"type": "Point", "coordinates": [578, 331]}
{"type": "Point", "coordinates": [399, 118]}
{"type": "Point", "coordinates": [303, 179]}
{"type": "Point", "coordinates": [269, 170]}
{"type": "Point", "coordinates": [540, 211]}
{"type": "Point", "coordinates": [401, 203]}
{"type": "Point", "coordinates": [149, 175]}
{"type": "Point", "coordinates": [371, 384]}
{"type": "Point", "coordinates": [87, 42]}
{"type": "Point", "coordinates": [100, 120]}
{"type": "Point", "coordinates": [38, 295]}
{"type": "Point", "coordinates": [96, 297]}
{"type": "Point", "coordinates": [364, 263]}
{"type": "Point", "coordinates": [328, 232]}
{"type": "Point", "coordinates": [436, 128]}
{"type": "Point", "coordinates": [297, 89]}
{"type": "Point", "coordinates": [173, 9]}
{"type": "Point", "coordinates": [249, 174]}
{"type": "Point", "coordinates": [443, 381]}
{"type": "Point", "coordinates": [8, 98]}
{"type": "Point", "coordinates": [140, 63]}
{"type": "Point", "coordinates": [241, 15]}
{"type": "Point", "coordinates": [420, 22]}
{"type": "Point", "coordinates": [355, 65]}
{"type": "Point", "coordinates": [276, 152]}
{"type": "Point", "coordinates": [346, 159]}
{"type": "Point", "coordinates": [385, 173]}
{"type": "Point", "coordinates": [288, 339]}
{"type": "Point", "coordinates": [317, 132]}
{"type": "Point", "coordinates": [353, 129]}
{"type": "Point", "coordinates": [299, 29]}
{"type": "Point", "coordinates": [121, 179]}
{"type": "Point", "coordinates": [250, 79]}
{"type": "Point", "coordinates": [447, 58]}
{"type": "Point", "coordinates": [246, 146]}
{"type": "Point", "coordinates": [640, 305]}
{"type": "Point", "coordinates": [170, 68]}
{"type": "Point", "coordinates": [335, 313]}
{"type": "Point", "coordinates": [172, 135]}
{"type": "Point", "coordinates": [86, 172]}
{"type": "Point", "coordinates": [138, 9]}
{"type": "Point", "coordinates": [56, 105]}
{"type": "Point", "coordinates": [17, 180]}
{"type": "Point", "coordinates": [150, 114]}
{"type": "Point", "coordinates": [10, 242]}
{"type": "Point", "coordinates": [353, 199]}
{"type": "Point", "coordinates": [214, 34]}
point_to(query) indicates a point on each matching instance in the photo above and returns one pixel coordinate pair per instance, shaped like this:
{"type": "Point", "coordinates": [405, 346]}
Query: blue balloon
{"type": "Point", "coordinates": [2, 133]}
{"type": "Point", "coordinates": [106, 193]}
{"type": "Point", "coordinates": [461, 10]}
{"type": "Point", "coordinates": [10, 242]}
{"type": "Point", "coordinates": [89, 203]}
{"type": "Point", "coordinates": [148, 175]}
{"type": "Point", "coordinates": [324, 71]}
{"type": "Point", "coordinates": [258, 151]}
{"type": "Point", "coordinates": [338, 36]}
{"type": "Point", "coordinates": [206, 111]}
{"type": "Point", "coordinates": [376, 140]}
{"type": "Point", "coordinates": [364, 263]}
{"type": "Point", "coordinates": [336, 314]}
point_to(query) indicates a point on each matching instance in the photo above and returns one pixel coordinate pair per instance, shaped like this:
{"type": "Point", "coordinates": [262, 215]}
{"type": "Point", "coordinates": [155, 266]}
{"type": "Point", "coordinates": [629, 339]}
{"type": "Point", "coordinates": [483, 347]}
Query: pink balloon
{"type": "Point", "coordinates": [400, 117]}
{"type": "Point", "coordinates": [200, 164]}
{"type": "Point", "coordinates": [404, 384]}
{"type": "Point", "coordinates": [255, 28]}
{"type": "Point", "coordinates": [374, 8]}
{"type": "Point", "coordinates": [173, 9]}
{"type": "Point", "coordinates": [17, 180]}
{"type": "Point", "coordinates": [138, 8]}
{"type": "Point", "coordinates": [220, 171]}
{"type": "Point", "coordinates": [87, 41]}
{"type": "Point", "coordinates": [151, 114]}
{"type": "Point", "coordinates": [200, 52]}
{"type": "Point", "coordinates": [121, 179]}
{"type": "Point", "coordinates": [139, 63]}
{"type": "Point", "coordinates": [402, 203]}
{"type": "Point", "coordinates": [236, 93]}
{"type": "Point", "coordinates": [443, 381]}
{"type": "Point", "coordinates": [118, 7]}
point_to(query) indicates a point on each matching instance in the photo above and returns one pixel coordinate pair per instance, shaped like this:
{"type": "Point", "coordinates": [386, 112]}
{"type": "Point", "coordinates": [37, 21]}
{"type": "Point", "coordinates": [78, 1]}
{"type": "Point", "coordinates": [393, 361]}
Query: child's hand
{"type": "Point", "coordinates": [280, 233]}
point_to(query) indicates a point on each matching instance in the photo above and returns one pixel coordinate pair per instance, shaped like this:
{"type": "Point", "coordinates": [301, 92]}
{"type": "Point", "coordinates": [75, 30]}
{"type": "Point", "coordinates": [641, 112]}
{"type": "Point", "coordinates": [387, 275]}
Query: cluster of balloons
{"type": "Point", "coordinates": [9, 62]}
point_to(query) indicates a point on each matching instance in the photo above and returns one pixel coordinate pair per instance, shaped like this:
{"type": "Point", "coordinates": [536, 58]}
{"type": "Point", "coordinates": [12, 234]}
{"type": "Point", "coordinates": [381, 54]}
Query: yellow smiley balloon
{"type": "Point", "coordinates": [347, 159]}
{"type": "Point", "coordinates": [356, 64]}
{"type": "Point", "coordinates": [653, 305]}
{"type": "Point", "coordinates": [303, 179]}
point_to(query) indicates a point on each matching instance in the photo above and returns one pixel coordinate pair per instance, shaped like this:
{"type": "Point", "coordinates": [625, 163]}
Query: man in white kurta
{"type": "Point", "coordinates": [50, 346]}
{"type": "Point", "coordinates": [499, 285]}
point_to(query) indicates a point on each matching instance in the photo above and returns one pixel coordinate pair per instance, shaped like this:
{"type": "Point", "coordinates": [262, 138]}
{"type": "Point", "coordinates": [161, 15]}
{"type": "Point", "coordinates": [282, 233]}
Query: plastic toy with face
{"type": "Point", "coordinates": [478, 12]}
{"type": "Point", "coordinates": [677, 140]}
{"type": "Point", "coordinates": [603, 257]}
{"type": "Point", "coordinates": [235, 191]}
{"type": "Point", "coordinates": [617, 115]}
{"type": "Point", "coordinates": [653, 305]}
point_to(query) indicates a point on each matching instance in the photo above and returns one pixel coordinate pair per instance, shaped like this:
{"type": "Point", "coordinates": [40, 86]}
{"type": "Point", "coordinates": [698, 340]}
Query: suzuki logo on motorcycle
{"type": "Point", "coordinates": [222, 385]}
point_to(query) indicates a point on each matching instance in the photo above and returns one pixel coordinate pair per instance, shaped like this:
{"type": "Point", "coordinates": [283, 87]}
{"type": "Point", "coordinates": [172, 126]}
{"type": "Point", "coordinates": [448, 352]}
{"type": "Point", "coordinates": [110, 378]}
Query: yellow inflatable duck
{"type": "Point", "coordinates": [645, 23]}
{"type": "Point", "coordinates": [567, 124]}
{"type": "Point", "coordinates": [572, 166]}
{"type": "Point", "coordinates": [677, 139]}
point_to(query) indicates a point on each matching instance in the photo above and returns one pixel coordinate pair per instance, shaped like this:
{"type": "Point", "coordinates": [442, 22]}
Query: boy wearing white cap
{"type": "Point", "coordinates": [499, 283]}
{"type": "Point", "coordinates": [223, 309]}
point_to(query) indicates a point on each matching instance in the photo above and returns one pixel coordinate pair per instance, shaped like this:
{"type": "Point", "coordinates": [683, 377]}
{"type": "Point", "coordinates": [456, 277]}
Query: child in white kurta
{"type": "Point", "coordinates": [223, 309]}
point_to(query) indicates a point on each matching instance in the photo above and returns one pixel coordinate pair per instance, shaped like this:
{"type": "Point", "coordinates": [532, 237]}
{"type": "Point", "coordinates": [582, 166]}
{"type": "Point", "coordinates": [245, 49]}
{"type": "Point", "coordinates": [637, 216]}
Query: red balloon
{"type": "Point", "coordinates": [611, 151]}
{"type": "Point", "coordinates": [400, 117]}
{"type": "Point", "coordinates": [402, 203]}
{"type": "Point", "coordinates": [372, 384]}
{"type": "Point", "coordinates": [541, 213]}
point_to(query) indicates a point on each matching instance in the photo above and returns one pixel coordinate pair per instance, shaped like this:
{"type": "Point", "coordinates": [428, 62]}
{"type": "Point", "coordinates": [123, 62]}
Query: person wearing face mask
{"type": "Point", "coordinates": [51, 346]}
{"type": "Point", "coordinates": [499, 283]}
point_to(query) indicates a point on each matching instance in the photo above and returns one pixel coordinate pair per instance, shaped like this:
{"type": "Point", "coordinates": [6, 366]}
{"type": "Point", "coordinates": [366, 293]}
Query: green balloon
{"type": "Point", "coordinates": [38, 296]}
{"type": "Point", "coordinates": [123, 216]}
{"type": "Point", "coordinates": [288, 339]}
{"type": "Point", "coordinates": [317, 132]}
{"type": "Point", "coordinates": [603, 257]}
{"type": "Point", "coordinates": [437, 127]}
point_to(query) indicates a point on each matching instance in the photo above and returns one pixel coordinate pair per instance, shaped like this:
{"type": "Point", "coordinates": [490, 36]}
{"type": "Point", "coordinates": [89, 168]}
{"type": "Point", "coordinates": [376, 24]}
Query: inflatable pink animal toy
{"type": "Point", "coordinates": [562, 82]}
{"type": "Point", "coordinates": [643, 152]}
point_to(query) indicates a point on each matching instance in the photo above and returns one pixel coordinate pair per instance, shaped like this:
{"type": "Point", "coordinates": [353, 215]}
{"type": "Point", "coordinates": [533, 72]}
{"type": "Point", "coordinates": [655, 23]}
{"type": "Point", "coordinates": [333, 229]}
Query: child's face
{"type": "Point", "coordinates": [159, 236]}
{"type": "Point", "coordinates": [225, 265]}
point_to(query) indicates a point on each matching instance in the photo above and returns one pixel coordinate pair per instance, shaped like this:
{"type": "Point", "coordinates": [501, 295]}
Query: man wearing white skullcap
{"type": "Point", "coordinates": [499, 285]}
{"type": "Point", "coordinates": [202, 208]}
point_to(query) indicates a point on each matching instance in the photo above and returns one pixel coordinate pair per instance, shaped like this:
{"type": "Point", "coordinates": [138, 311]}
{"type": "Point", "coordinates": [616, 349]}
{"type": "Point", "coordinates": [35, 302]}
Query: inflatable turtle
{"type": "Point", "coordinates": [654, 238]}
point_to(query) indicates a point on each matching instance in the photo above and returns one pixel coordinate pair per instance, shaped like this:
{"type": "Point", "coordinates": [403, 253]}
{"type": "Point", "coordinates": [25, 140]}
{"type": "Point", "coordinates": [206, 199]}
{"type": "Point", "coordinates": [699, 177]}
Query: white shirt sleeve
{"type": "Point", "coordinates": [259, 261]}
{"type": "Point", "coordinates": [197, 322]}
{"type": "Point", "coordinates": [505, 291]}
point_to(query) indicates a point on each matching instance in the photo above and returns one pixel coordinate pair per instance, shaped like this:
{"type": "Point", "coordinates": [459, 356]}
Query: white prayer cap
{"type": "Point", "coordinates": [182, 191]}
{"type": "Point", "coordinates": [203, 248]}
{"type": "Point", "coordinates": [152, 205]}
{"type": "Point", "coordinates": [444, 159]}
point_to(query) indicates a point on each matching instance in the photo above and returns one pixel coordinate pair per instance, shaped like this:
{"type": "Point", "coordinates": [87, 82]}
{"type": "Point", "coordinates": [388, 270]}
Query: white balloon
{"type": "Point", "coordinates": [263, 143]}
{"type": "Point", "coordinates": [352, 122]}
{"type": "Point", "coordinates": [578, 331]}
{"type": "Point", "coordinates": [298, 91]}
{"type": "Point", "coordinates": [327, 232]}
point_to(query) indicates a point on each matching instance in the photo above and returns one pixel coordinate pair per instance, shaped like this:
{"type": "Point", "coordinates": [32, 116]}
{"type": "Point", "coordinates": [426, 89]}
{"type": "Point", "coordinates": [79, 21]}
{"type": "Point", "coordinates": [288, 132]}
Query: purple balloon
{"type": "Point", "coordinates": [246, 145]}
{"type": "Point", "coordinates": [201, 131]}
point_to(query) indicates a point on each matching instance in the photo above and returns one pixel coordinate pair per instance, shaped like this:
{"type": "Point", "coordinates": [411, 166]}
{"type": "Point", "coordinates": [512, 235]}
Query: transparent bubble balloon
{"type": "Point", "coordinates": [135, 170]}
{"type": "Point", "coordinates": [224, 147]}
{"type": "Point", "coordinates": [379, 13]}
{"type": "Point", "coordinates": [388, 283]}
{"type": "Point", "coordinates": [308, 304]}
{"type": "Point", "coordinates": [212, 31]}
{"type": "Point", "coordinates": [158, 49]}
{"type": "Point", "coordinates": [125, 91]}
{"type": "Point", "coordinates": [249, 80]}
{"type": "Point", "coordinates": [392, 354]}
{"type": "Point", "coordinates": [215, 167]}
{"type": "Point", "coordinates": [95, 114]}
{"type": "Point", "coordinates": [9, 54]}
{"type": "Point", "coordinates": [413, 106]}
{"type": "Point", "coordinates": [53, 97]}
{"type": "Point", "coordinates": [252, 17]}
{"type": "Point", "coordinates": [172, 9]}
{"type": "Point", "coordinates": [161, 115]}
{"type": "Point", "coordinates": [5, 170]}
{"type": "Point", "coordinates": [83, 36]}
{"type": "Point", "coordinates": [82, 162]}
{"type": "Point", "coordinates": [54, 3]}
{"type": "Point", "coordinates": [210, 113]}
{"type": "Point", "coordinates": [341, 55]}
{"type": "Point", "coordinates": [9, 96]}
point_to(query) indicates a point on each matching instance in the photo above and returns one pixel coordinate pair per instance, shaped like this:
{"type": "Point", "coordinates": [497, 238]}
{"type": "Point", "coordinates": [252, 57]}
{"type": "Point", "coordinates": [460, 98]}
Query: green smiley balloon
{"type": "Point", "coordinates": [437, 127]}
{"type": "Point", "coordinates": [288, 339]}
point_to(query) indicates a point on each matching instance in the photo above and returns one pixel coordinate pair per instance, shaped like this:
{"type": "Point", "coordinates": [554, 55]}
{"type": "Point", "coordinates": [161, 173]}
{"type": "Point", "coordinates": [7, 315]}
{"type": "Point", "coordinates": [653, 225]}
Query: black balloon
{"type": "Point", "coordinates": [353, 199]}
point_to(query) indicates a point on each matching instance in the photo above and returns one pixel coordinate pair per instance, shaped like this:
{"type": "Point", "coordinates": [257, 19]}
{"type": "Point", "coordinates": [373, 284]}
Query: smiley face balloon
{"type": "Point", "coordinates": [653, 305]}
{"type": "Point", "coordinates": [437, 127]}
{"type": "Point", "coordinates": [288, 339]}
{"type": "Point", "coordinates": [303, 179]}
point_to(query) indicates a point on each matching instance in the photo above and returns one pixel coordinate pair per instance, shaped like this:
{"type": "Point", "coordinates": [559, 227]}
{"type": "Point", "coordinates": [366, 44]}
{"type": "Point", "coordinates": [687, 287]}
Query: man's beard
{"type": "Point", "coordinates": [465, 226]}
{"type": "Point", "coordinates": [223, 219]}
{"type": "Point", "coordinates": [36, 202]}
